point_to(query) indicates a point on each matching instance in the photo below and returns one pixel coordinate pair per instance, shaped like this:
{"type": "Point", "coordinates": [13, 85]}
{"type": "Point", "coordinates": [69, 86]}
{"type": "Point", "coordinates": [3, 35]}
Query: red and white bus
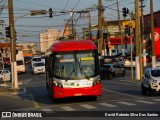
{"type": "Point", "coordinates": [72, 69]}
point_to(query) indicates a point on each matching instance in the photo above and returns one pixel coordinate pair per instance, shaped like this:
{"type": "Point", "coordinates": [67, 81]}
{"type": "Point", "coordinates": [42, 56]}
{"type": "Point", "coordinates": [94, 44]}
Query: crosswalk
{"type": "Point", "coordinates": [105, 105]}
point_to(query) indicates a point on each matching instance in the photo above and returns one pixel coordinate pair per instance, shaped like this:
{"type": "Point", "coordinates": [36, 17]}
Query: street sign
{"type": "Point", "coordinates": [128, 23]}
{"type": "Point", "coordinates": [38, 12]}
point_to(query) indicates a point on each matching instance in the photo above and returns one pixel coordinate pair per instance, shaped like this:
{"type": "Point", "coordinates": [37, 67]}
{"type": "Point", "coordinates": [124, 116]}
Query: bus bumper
{"type": "Point", "coordinates": [71, 92]}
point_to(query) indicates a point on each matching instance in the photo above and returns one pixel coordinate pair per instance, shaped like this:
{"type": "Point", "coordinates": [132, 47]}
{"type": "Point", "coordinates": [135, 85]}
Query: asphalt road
{"type": "Point", "coordinates": [118, 94]}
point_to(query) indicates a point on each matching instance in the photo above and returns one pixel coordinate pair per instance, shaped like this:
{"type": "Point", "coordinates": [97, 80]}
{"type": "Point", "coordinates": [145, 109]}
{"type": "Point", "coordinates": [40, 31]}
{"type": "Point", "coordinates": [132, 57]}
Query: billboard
{"type": "Point", "coordinates": [157, 42]}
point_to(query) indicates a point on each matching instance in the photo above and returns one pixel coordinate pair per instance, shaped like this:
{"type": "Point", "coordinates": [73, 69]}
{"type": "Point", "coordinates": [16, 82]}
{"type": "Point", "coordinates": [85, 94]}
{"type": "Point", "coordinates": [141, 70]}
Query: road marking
{"type": "Point", "coordinates": [130, 81]}
{"type": "Point", "coordinates": [67, 108]}
{"type": "Point", "coordinates": [107, 105]}
{"type": "Point", "coordinates": [46, 110]}
{"type": "Point", "coordinates": [36, 105]}
{"type": "Point", "coordinates": [121, 93]}
{"type": "Point", "coordinates": [88, 106]}
{"type": "Point", "coordinates": [126, 103]}
{"type": "Point", "coordinates": [27, 81]}
{"type": "Point", "coordinates": [143, 101]}
{"type": "Point", "coordinates": [156, 99]}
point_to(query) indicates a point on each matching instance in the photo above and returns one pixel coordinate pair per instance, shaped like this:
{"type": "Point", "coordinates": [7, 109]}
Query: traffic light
{"type": "Point", "coordinates": [50, 13]}
{"type": "Point", "coordinates": [7, 29]}
{"type": "Point", "coordinates": [127, 30]}
{"type": "Point", "coordinates": [125, 11]}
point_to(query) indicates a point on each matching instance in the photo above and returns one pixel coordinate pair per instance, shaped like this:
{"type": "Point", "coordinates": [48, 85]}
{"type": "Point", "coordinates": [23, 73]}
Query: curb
{"type": "Point", "coordinates": [23, 91]}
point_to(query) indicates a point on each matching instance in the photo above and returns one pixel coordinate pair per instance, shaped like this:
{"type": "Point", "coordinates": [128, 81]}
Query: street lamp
{"type": "Point", "coordinates": [32, 13]}
{"type": "Point", "coordinates": [12, 40]}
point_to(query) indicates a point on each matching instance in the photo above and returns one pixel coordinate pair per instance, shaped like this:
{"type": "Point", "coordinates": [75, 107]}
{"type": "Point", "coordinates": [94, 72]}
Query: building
{"type": "Point", "coordinates": [114, 35]}
{"type": "Point", "coordinates": [27, 46]}
{"type": "Point", "coordinates": [147, 22]}
{"type": "Point", "coordinates": [113, 29]}
{"type": "Point", "coordinates": [48, 38]}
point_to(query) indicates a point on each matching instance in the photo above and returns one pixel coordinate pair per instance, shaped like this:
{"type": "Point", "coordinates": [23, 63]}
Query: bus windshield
{"type": "Point", "coordinates": [75, 65]}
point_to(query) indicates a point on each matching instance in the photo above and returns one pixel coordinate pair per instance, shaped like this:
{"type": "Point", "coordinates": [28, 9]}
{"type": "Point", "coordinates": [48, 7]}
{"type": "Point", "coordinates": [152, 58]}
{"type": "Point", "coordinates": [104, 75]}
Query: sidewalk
{"type": "Point", "coordinates": [7, 89]}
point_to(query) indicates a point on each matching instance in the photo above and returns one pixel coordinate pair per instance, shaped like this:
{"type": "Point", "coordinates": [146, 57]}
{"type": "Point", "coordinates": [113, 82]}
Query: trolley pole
{"type": "Point", "coordinates": [131, 42]}
{"type": "Point", "coordinates": [137, 39]}
{"type": "Point", "coordinates": [13, 45]}
{"type": "Point", "coordinates": [152, 35]}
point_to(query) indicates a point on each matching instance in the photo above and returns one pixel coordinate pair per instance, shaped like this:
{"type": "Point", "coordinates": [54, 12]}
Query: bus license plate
{"type": "Point", "coordinates": [78, 94]}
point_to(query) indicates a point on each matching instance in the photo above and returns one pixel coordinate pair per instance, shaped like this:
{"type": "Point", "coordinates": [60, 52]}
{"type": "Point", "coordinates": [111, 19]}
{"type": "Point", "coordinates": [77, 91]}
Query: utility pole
{"type": "Point", "coordinates": [120, 28]}
{"type": "Point", "coordinates": [142, 34]}
{"type": "Point", "coordinates": [72, 23]}
{"type": "Point", "coordinates": [100, 37]}
{"type": "Point", "coordinates": [90, 27]}
{"type": "Point", "coordinates": [152, 35]}
{"type": "Point", "coordinates": [13, 45]}
{"type": "Point", "coordinates": [137, 39]}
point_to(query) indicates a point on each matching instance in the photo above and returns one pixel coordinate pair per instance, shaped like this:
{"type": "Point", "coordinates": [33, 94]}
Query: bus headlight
{"type": "Point", "coordinates": [96, 82]}
{"type": "Point", "coordinates": [154, 81]}
{"type": "Point", "coordinates": [55, 83]}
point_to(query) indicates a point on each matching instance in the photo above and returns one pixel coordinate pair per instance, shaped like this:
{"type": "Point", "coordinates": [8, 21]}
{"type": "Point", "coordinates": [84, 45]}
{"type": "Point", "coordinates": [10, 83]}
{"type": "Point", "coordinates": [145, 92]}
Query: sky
{"type": "Point", "coordinates": [29, 27]}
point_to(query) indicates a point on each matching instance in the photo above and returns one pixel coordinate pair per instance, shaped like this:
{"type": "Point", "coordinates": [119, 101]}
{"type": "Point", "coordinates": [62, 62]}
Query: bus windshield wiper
{"type": "Point", "coordinates": [73, 71]}
{"type": "Point", "coordinates": [82, 71]}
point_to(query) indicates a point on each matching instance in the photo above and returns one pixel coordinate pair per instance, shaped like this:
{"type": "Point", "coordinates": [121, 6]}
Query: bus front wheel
{"type": "Point", "coordinates": [94, 98]}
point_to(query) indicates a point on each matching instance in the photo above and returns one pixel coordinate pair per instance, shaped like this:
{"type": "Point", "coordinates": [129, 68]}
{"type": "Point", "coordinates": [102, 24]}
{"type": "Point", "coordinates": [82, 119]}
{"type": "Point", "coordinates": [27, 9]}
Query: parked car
{"type": "Point", "coordinates": [116, 68]}
{"type": "Point", "coordinates": [126, 62]}
{"type": "Point", "coordinates": [38, 67]}
{"type": "Point", "coordinates": [151, 81]}
{"type": "Point", "coordinates": [106, 73]}
{"type": "Point", "coordinates": [106, 60]}
{"type": "Point", "coordinates": [5, 75]}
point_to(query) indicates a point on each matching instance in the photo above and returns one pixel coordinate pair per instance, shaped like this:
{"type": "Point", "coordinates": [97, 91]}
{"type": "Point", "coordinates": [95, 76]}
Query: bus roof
{"type": "Point", "coordinates": [73, 45]}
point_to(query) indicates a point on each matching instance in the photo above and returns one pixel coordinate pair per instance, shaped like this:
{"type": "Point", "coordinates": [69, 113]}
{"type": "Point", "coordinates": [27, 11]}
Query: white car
{"type": "Point", "coordinates": [38, 67]}
{"type": "Point", "coordinates": [43, 58]}
{"type": "Point", "coordinates": [5, 75]}
{"type": "Point", "coordinates": [117, 69]}
{"type": "Point", "coordinates": [151, 81]}
{"type": "Point", "coordinates": [127, 62]}
{"type": "Point", "coordinates": [35, 59]}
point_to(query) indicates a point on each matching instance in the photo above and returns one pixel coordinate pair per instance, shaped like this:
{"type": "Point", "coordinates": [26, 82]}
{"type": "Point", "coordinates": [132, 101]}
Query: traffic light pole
{"type": "Point", "coordinates": [120, 28]}
{"type": "Point", "coordinates": [142, 35]}
{"type": "Point", "coordinates": [137, 39]}
{"type": "Point", "coordinates": [13, 46]}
